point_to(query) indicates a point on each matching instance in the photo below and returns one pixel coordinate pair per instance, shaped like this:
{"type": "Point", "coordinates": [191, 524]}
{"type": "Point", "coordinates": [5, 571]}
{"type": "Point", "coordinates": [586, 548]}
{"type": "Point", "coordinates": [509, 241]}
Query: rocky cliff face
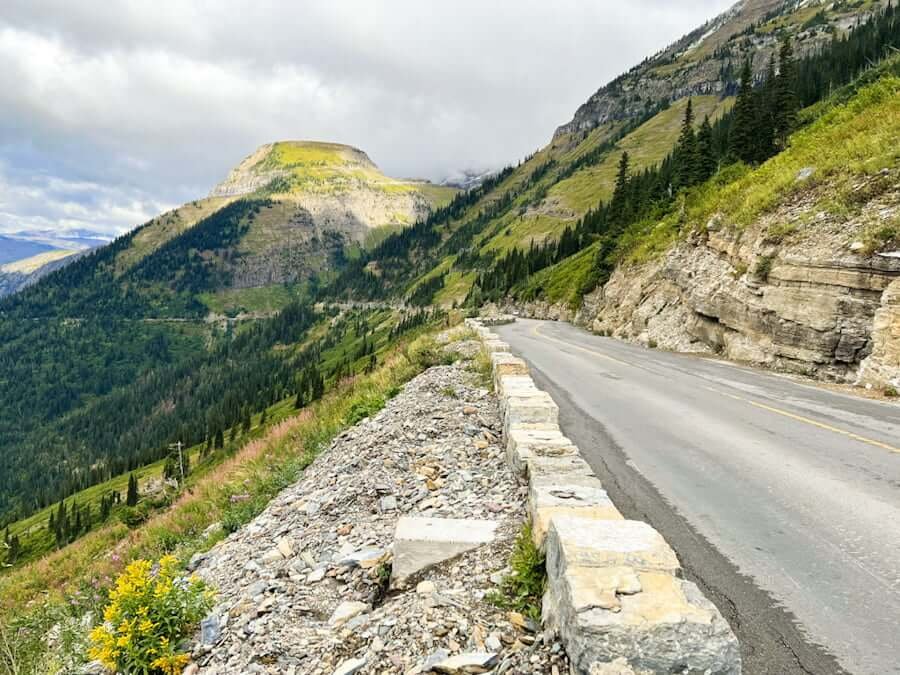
{"type": "Point", "coordinates": [810, 299]}
{"type": "Point", "coordinates": [708, 60]}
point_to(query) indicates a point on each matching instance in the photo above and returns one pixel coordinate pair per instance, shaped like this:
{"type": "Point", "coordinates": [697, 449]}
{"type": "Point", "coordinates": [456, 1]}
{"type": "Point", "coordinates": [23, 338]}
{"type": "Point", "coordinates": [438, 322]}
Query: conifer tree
{"type": "Point", "coordinates": [765, 115]}
{"type": "Point", "coordinates": [707, 163]}
{"type": "Point", "coordinates": [618, 205]}
{"type": "Point", "coordinates": [687, 158]}
{"type": "Point", "coordinates": [220, 439]}
{"type": "Point", "coordinates": [743, 125]}
{"type": "Point", "coordinates": [131, 497]}
{"type": "Point", "coordinates": [785, 101]}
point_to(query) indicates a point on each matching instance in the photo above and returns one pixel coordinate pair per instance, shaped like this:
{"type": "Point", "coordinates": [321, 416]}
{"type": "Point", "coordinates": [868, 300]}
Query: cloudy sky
{"type": "Point", "coordinates": [111, 112]}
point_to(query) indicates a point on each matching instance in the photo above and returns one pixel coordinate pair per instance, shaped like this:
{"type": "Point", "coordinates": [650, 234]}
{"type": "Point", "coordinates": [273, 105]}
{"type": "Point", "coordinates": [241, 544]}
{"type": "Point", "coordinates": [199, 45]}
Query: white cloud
{"type": "Point", "coordinates": [154, 102]}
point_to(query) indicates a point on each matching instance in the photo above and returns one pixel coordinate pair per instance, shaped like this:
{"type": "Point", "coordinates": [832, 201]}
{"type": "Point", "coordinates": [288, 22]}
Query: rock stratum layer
{"type": "Point", "coordinates": [805, 299]}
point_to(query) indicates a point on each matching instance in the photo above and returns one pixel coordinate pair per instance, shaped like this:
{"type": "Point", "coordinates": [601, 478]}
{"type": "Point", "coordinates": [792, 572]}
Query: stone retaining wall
{"type": "Point", "coordinates": [615, 592]}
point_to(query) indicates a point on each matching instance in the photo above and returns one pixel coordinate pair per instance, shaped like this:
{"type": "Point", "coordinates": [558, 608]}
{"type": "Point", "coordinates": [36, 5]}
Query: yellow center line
{"type": "Point", "coordinates": [761, 406]}
{"type": "Point", "coordinates": [574, 346]}
{"type": "Point", "coordinates": [807, 420]}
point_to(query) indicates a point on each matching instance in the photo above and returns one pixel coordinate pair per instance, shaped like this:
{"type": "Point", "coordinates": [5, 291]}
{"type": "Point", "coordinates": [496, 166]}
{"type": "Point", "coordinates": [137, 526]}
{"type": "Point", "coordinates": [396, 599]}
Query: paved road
{"type": "Point", "coordinates": [781, 499]}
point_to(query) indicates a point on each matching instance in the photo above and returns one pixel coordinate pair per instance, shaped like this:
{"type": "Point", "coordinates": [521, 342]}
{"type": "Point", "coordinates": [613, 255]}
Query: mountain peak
{"type": "Point", "coordinates": [296, 160]}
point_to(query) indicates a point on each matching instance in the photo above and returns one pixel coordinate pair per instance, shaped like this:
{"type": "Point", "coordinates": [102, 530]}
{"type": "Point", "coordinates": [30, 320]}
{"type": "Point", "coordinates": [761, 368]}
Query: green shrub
{"type": "Point", "coordinates": [523, 589]}
{"type": "Point", "coordinates": [364, 408]}
{"type": "Point", "coordinates": [890, 392]}
{"type": "Point", "coordinates": [764, 267]}
{"type": "Point", "coordinates": [147, 616]}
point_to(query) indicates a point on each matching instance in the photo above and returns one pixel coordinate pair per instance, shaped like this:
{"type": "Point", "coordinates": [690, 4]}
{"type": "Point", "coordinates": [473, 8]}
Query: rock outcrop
{"type": "Point", "coordinates": [809, 300]}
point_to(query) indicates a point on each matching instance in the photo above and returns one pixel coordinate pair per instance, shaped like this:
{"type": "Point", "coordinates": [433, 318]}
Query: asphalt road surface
{"type": "Point", "coordinates": [781, 499]}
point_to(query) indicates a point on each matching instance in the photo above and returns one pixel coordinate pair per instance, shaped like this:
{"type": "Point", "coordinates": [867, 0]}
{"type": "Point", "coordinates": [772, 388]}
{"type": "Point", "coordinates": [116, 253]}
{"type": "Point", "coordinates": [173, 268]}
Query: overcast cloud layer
{"type": "Point", "coordinates": [111, 112]}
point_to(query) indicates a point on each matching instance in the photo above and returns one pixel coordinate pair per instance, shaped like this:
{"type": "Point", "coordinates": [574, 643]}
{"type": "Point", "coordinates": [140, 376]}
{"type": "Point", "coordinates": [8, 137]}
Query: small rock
{"type": "Point", "coordinates": [516, 620]}
{"type": "Point", "coordinates": [434, 658]}
{"type": "Point", "coordinates": [93, 668]}
{"type": "Point", "coordinates": [365, 558]}
{"type": "Point", "coordinates": [272, 556]}
{"type": "Point", "coordinates": [316, 576]}
{"type": "Point", "coordinates": [805, 173]}
{"type": "Point", "coordinates": [388, 503]}
{"type": "Point", "coordinates": [210, 630]}
{"type": "Point", "coordinates": [469, 410]}
{"type": "Point", "coordinates": [192, 669]}
{"type": "Point", "coordinates": [425, 587]}
{"type": "Point", "coordinates": [346, 611]}
{"type": "Point", "coordinates": [470, 662]}
{"type": "Point", "coordinates": [857, 246]}
{"type": "Point", "coordinates": [285, 547]}
{"type": "Point", "coordinates": [350, 666]}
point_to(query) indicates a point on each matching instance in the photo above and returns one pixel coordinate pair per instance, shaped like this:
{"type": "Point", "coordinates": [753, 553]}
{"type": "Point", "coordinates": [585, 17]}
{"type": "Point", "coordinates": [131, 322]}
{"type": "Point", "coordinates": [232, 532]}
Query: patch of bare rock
{"type": "Point", "coordinates": [423, 488]}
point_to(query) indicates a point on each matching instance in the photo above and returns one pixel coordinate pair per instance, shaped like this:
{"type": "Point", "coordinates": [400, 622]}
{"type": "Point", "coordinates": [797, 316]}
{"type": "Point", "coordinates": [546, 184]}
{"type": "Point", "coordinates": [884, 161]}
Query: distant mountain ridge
{"type": "Point", "coordinates": [12, 249]}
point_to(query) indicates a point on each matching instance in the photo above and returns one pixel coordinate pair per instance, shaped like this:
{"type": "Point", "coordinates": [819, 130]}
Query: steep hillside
{"type": "Point", "coordinates": [787, 265]}
{"type": "Point", "coordinates": [707, 60]}
{"type": "Point", "coordinates": [616, 190]}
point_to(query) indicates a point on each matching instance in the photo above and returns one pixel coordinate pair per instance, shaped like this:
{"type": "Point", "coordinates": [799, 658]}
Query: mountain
{"type": "Point", "coordinates": [14, 276]}
{"type": "Point", "coordinates": [93, 356]}
{"type": "Point", "coordinates": [707, 60]}
{"type": "Point", "coordinates": [12, 249]}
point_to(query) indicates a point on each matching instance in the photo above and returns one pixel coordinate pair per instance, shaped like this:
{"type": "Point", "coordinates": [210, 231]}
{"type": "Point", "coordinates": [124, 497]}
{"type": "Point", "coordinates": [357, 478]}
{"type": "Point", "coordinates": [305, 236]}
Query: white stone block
{"type": "Point", "coordinates": [574, 541]}
{"type": "Point", "coordinates": [527, 410]}
{"type": "Point", "coordinates": [523, 444]}
{"type": "Point", "coordinates": [572, 495]}
{"type": "Point", "coordinates": [420, 543]}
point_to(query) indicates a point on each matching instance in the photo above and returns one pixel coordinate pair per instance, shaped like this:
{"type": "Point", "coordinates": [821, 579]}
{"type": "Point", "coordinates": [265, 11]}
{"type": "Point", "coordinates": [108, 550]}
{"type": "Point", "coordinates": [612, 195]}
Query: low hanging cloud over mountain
{"type": "Point", "coordinates": [113, 112]}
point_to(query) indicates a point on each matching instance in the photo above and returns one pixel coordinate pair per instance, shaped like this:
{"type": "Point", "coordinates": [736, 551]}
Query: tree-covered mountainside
{"type": "Point", "coordinates": [130, 347]}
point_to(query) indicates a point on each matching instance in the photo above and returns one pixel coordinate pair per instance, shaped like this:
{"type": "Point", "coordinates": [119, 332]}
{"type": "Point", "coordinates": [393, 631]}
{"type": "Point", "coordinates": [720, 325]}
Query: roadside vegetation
{"type": "Point", "coordinates": [54, 594]}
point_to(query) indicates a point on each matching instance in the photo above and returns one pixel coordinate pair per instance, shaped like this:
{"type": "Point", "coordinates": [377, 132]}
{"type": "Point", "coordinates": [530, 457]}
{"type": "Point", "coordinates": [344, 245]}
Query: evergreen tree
{"type": "Point", "coordinates": [687, 156]}
{"type": "Point", "coordinates": [131, 497]}
{"type": "Point", "coordinates": [618, 205]}
{"type": "Point", "coordinates": [220, 439]}
{"type": "Point", "coordinates": [742, 143]}
{"type": "Point", "coordinates": [765, 115]}
{"type": "Point", "coordinates": [785, 101]}
{"type": "Point", "coordinates": [707, 162]}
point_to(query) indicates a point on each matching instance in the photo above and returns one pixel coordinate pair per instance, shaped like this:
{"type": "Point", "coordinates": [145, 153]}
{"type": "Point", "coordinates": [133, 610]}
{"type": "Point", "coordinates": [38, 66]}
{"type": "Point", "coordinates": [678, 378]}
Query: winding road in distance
{"type": "Point", "coordinates": [781, 499]}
